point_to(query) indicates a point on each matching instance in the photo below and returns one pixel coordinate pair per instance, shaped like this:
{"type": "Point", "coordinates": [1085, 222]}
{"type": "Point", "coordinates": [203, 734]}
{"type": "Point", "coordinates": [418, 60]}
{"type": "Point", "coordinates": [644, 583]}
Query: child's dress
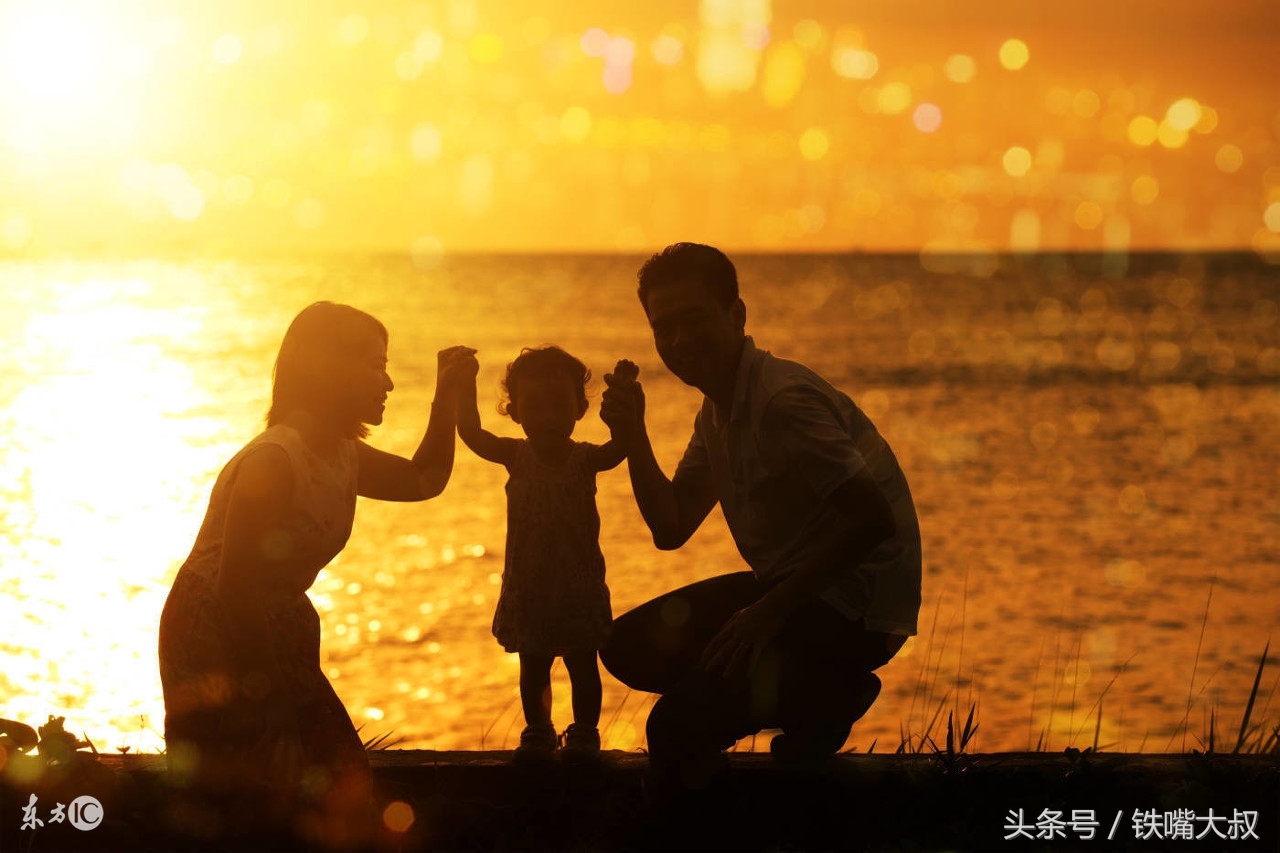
{"type": "Point", "coordinates": [554, 600]}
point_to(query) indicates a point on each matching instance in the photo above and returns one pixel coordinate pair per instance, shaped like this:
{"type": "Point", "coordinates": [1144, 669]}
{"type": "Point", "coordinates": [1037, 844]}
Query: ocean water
{"type": "Point", "coordinates": [1094, 451]}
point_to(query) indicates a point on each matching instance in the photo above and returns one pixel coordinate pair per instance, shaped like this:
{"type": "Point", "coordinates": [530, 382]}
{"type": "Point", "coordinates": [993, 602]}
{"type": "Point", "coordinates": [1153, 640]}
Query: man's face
{"type": "Point", "coordinates": [696, 336]}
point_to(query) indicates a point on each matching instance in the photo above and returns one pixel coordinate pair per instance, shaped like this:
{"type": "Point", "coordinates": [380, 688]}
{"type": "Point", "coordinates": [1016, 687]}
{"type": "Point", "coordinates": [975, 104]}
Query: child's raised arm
{"type": "Point", "coordinates": [483, 443]}
{"type": "Point", "coordinates": [608, 455]}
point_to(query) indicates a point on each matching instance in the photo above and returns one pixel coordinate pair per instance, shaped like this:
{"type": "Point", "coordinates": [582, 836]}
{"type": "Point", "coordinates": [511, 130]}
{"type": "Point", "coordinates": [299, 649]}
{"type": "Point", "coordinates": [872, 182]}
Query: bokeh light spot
{"type": "Point", "coordinates": [927, 118]}
{"type": "Point", "coordinates": [894, 98]}
{"type": "Point", "coordinates": [1017, 161]}
{"type": "Point", "coordinates": [783, 75]}
{"type": "Point", "coordinates": [808, 34]}
{"type": "Point", "coordinates": [309, 214]}
{"type": "Point", "coordinates": [1144, 189]}
{"type": "Point", "coordinates": [426, 253]}
{"type": "Point", "coordinates": [398, 816]}
{"type": "Point", "coordinates": [1143, 130]}
{"type": "Point", "coordinates": [1170, 136]}
{"type": "Point", "coordinates": [814, 143]}
{"type": "Point", "coordinates": [428, 46]}
{"type": "Point", "coordinates": [756, 35]}
{"type": "Point", "coordinates": [1014, 54]}
{"type": "Point", "coordinates": [1229, 158]}
{"type": "Point", "coordinates": [575, 124]}
{"type": "Point", "coordinates": [237, 189]}
{"type": "Point", "coordinates": [1086, 103]}
{"type": "Point", "coordinates": [427, 143]}
{"type": "Point", "coordinates": [854, 64]}
{"type": "Point", "coordinates": [667, 50]}
{"type": "Point", "coordinates": [486, 48]}
{"type": "Point", "coordinates": [960, 68]}
{"type": "Point", "coordinates": [353, 29]}
{"type": "Point", "coordinates": [1183, 114]}
{"type": "Point", "coordinates": [1271, 218]}
{"type": "Point", "coordinates": [1208, 120]}
{"type": "Point", "coordinates": [1088, 215]}
{"type": "Point", "coordinates": [594, 42]}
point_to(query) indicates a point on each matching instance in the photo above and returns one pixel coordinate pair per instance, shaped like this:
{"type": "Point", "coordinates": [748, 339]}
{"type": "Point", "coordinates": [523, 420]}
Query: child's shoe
{"type": "Point", "coordinates": [581, 743]}
{"type": "Point", "coordinates": [537, 743]}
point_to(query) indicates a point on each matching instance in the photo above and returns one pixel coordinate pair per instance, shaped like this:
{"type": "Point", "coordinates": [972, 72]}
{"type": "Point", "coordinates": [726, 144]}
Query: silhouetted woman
{"type": "Point", "coordinates": [249, 715]}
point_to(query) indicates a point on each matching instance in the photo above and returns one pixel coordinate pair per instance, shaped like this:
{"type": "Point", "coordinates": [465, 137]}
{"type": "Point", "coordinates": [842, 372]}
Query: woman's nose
{"type": "Point", "coordinates": [390, 386]}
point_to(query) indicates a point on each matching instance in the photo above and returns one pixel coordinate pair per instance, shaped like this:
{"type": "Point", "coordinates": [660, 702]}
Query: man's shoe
{"type": "Point", "coordinates": [820, 740]}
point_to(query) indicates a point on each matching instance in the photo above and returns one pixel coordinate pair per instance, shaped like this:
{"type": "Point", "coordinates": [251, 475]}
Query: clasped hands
{"type": "Point", "coordinates": [456, 368]}
{"type": "Point", "coordinates": [622, 404]}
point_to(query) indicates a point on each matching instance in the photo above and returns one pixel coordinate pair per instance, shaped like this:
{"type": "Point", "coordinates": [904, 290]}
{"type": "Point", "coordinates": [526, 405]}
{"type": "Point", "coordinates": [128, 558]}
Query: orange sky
{"type": "Point", "coordinates": [456, 125]}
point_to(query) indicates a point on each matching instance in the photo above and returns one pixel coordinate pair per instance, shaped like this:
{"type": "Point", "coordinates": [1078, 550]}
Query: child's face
{"type": "Point", "coordinates": [548, 406]}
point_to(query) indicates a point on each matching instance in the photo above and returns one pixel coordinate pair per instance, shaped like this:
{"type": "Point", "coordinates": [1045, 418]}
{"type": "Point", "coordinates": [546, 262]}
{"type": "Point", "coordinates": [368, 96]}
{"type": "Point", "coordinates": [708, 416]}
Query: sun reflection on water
{"type": "Point", "coordinates": [95, 446]}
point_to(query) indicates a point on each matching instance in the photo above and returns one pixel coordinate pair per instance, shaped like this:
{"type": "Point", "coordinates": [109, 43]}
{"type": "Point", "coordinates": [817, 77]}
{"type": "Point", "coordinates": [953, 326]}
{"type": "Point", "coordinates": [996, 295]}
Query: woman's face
{"type": "Point", "coordinates": [364, 381]}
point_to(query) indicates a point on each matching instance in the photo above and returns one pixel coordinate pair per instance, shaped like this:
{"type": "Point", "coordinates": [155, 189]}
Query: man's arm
{"type": "Point", "coordinates": [673, 509]}
{"type": "Point", "coordinates": [808, 440]}
{"type": "Point", "coordinates": [866, 521]}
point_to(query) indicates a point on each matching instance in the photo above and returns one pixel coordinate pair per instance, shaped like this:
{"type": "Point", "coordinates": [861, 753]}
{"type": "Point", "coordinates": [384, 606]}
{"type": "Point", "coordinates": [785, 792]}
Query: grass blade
{"type": "Point", "coordinates": [1253, 695]}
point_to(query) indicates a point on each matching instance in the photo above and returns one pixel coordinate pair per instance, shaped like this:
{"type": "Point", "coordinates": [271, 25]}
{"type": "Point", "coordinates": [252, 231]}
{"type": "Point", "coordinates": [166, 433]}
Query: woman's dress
{"type": "Point", "coordinates": [224, 727]}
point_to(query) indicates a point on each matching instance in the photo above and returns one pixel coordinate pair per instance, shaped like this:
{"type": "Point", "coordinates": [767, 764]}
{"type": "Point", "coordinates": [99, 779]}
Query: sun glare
{"type": "Point", "coordinates": [107, 502]}
{"type": "Point", "coordinates": [66, 67]}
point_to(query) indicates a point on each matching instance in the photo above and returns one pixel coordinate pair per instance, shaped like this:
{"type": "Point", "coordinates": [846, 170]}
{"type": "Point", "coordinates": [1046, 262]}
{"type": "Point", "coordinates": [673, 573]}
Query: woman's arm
{"type": "Point", "coordinates": [387, 477]}
{"type": "Point", "coordinates": [255, 547]}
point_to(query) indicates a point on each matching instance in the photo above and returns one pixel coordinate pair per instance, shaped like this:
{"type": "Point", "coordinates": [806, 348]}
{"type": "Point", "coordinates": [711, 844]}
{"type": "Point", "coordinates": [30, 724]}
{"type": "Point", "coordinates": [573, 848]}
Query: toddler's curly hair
{"type": "Point", "coordinates": [542, 361]}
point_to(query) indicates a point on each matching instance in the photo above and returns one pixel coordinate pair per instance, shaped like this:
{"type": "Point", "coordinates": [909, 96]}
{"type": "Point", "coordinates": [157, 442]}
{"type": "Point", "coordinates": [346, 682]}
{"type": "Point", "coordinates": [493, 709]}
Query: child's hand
{"type": "Point", "coordinates": [624, 371]}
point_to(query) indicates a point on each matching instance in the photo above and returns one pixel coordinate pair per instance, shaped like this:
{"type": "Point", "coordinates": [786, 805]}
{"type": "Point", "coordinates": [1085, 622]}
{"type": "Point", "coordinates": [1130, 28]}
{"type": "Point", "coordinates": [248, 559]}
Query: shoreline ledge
{"type": "Point", "coordinates": [480, 800]}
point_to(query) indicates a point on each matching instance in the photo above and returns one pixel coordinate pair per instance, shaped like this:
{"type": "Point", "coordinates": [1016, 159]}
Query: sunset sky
{"type": "Point", "coordinates": [455, 125]}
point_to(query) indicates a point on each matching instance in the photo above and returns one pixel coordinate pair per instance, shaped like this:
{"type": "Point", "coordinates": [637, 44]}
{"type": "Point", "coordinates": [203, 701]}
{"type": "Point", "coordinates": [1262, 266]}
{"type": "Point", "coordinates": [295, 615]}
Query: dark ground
{"type": "Point", "coordinates": [472, 801]}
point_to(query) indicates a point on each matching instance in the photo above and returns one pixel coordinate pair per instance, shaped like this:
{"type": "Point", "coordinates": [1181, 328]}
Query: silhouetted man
{"type": "Point", "coordinates": [819, 509]}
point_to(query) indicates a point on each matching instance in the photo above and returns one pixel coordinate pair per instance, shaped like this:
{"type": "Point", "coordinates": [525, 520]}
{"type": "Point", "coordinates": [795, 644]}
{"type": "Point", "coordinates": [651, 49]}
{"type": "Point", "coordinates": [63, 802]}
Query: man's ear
{"type": "Point", "coordinates": [738, 310]}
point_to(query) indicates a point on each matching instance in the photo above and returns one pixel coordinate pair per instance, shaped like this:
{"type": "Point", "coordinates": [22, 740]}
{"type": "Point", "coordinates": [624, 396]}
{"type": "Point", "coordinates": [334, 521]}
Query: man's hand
{"type": "Point", "coordinates": [736, 650]}
{"type": "Point", "coordinates": [622, 405]}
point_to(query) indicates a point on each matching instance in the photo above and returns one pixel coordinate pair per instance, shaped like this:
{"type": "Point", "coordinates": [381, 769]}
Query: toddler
{"type": "Point", "coordinates": [554, 602]}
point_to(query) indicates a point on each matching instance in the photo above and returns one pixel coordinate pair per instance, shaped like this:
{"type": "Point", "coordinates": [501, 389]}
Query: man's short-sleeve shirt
{"type": "Point", "coordinates": [789, 441]}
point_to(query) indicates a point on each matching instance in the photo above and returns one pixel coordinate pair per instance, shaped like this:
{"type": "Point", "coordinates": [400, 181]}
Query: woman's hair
{"type": "Point", "coordinates": [683, 261]}
{"type": "Point", "coordinates": [542, 361]}
{"type": "Point", "coordinates": [321, 336]}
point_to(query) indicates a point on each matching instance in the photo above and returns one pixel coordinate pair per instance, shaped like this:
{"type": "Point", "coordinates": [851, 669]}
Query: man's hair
{"type": "Point", "coordinates": [321, 333]}
{"type": "Point", "coordinates": [682, 261]}
{"type": "Point", "coordinates": [542, 361]}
